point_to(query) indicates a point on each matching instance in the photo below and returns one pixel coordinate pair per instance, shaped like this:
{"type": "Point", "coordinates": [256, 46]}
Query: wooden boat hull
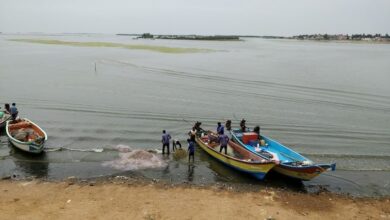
{"type": "Point", "coordinates": [258, 170]}
{"type": "Point", "coordinates": [30, 147]}
{"type": "Point", "coordinates": [286, 167]}
{"type": "Point", "coordinates": [302, 173]}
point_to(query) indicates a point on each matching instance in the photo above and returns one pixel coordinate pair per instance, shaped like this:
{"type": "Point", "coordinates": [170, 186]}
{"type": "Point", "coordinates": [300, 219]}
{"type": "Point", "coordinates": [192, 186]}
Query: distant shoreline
{"type": "Point", "coordinates": [376, 38]}
{"type": "Point", "coordinates": [332, 41]}
{"type": "Point", "coordinates": [355, 38]}
{"type": "Point", "coordinates": [186, 37]}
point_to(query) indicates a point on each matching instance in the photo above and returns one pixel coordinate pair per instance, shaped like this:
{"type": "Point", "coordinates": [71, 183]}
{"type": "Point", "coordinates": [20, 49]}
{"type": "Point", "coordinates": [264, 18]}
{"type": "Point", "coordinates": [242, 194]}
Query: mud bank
{"type": "Point", "coordinates": [123, 198]}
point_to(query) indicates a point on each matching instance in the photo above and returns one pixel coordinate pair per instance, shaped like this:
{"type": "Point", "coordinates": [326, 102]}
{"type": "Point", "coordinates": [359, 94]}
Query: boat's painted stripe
{"type": "Point", "coordinates": [249, 167]}
{"type": "Point", "coordinates": [297, 174]}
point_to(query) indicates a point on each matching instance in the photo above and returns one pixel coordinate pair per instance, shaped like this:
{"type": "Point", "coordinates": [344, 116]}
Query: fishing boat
{"type": "Point", "coordinates": [291, 164]}
{"type": "Point", "coordinates": [26, 135]}
{"type": "Point", "coordinates": [4, 117]}
{"type": "Point", "coordinates": [237, 157]}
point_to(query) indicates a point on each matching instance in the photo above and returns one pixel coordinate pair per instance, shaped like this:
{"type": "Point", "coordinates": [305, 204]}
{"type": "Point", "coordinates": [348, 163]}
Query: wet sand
{"type": "Point", "coordinates": [130, 199]}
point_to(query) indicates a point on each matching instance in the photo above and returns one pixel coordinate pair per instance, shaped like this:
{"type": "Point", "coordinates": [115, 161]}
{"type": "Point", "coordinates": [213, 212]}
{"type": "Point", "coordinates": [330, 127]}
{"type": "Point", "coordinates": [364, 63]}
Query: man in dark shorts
{"type": "Point", "coordinates": [191, 150]}
{"type": "Point", "coordinates": [14, 111]}
{"type": "Point", "coordinates": [165, 141]}
{"type": "Point", "coordinates": [223, 140]}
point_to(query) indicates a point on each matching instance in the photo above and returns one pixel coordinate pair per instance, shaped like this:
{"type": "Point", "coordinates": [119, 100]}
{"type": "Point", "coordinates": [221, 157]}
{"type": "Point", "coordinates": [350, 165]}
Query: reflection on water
{"type": "Point", "coordinates": [191, 169]}
{"type": "Point", "coordinates": [29, 165]}
{"type": "Point", "coordinates": [222, 173]}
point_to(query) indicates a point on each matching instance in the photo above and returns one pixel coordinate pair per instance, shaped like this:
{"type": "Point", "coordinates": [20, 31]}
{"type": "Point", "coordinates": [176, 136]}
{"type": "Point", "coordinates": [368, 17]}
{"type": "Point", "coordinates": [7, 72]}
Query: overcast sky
{"type": "Point", "coordinates": [254, 17]}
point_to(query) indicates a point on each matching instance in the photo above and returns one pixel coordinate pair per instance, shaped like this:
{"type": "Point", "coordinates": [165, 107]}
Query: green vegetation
{"type": "Point", "coordinates": [186, 37]}
{"type": "Point", "coordinates": [161, 49]}
{"type": "Point", "coordinates": [198, 37]}
{"type": "Point", "coordinates": [147, 35]}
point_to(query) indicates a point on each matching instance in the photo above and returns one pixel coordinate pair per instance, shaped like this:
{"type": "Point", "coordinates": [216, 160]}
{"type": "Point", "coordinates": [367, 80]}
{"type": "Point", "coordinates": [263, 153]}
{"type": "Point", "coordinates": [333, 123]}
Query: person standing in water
{"type": "Point", "coordinates": [165, 141]}
{"type": "Point", "coordinates": [14, 111]}
{"type": "Point", "coordinates": [191, 151]}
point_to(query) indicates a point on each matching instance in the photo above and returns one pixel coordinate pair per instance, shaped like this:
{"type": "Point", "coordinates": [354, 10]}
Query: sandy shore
{"type": "Point", "coordinates": [131, 200]}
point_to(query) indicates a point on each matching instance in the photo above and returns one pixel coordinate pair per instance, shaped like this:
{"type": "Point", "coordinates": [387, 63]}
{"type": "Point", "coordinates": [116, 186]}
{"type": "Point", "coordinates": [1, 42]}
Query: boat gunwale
{"type": "Point", "coordinates": [22, 142]}
{"type": "Point", "coordinates": [234, 158]}
{"type": "Point", "coordinates": [282, 164]}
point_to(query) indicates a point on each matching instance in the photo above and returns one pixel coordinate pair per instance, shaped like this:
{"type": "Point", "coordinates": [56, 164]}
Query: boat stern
{"type": "Point", "coordinates": [305, 173]}
{"type": "Point", "coordinates": [328, 167]}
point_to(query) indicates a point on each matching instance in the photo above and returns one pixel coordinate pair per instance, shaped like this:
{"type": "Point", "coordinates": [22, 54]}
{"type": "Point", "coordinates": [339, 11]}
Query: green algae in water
{"type": "Point", "coordinates": [161, 49]}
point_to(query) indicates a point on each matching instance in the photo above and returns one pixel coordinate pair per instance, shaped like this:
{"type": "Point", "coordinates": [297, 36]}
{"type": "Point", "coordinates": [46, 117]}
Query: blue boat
{"type": "Point", "coordinates": [291, 163]}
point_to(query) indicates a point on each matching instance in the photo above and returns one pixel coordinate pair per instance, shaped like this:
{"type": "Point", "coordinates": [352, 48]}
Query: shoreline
{"type": "Point", "coordinates": [129, 198]}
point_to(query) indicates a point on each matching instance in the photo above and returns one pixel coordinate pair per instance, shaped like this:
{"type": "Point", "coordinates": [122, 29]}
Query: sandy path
{"type": "Point", "coordinates": [44, 200]}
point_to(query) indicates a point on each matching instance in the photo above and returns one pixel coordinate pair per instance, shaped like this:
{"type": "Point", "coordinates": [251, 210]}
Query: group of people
{"type": "Point", "coordinates": [12, 110]}
{"type": "Point", "coordinates": [166, 137]}
{"type": "Point", "coordinates": [222, 139]}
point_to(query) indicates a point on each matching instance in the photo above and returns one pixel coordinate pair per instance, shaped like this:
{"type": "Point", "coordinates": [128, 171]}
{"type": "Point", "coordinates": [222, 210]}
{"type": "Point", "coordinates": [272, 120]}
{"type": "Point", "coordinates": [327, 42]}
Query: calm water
{"type": "Point", "coordinates": [329, 101]}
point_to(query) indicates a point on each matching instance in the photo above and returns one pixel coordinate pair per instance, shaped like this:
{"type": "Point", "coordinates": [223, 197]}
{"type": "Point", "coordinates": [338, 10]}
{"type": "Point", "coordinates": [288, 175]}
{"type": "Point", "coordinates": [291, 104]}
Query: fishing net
{"type": "Point", "coordinates": [179, 154]}
{"type": "Point", "coordinates": [136, 160]}
{"type": "Point", "coordinates": [27, 134]}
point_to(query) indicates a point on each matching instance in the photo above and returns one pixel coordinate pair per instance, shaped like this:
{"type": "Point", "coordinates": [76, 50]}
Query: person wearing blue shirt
{"type": "Point", "coordinates": [14, 111]}
{"type": "Point", "coordinates": [191, 150]}
{"type": "Point", "coordinates": [165, 141]}
{"type": "Point", "coordinates": [223, 140]}
{"type": "Point", "coordinates": [220, 128]}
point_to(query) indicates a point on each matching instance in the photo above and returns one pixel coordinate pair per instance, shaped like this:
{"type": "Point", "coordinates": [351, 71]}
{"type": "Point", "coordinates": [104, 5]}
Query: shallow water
{"type": "Point", "coordinates": [329, 101]}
